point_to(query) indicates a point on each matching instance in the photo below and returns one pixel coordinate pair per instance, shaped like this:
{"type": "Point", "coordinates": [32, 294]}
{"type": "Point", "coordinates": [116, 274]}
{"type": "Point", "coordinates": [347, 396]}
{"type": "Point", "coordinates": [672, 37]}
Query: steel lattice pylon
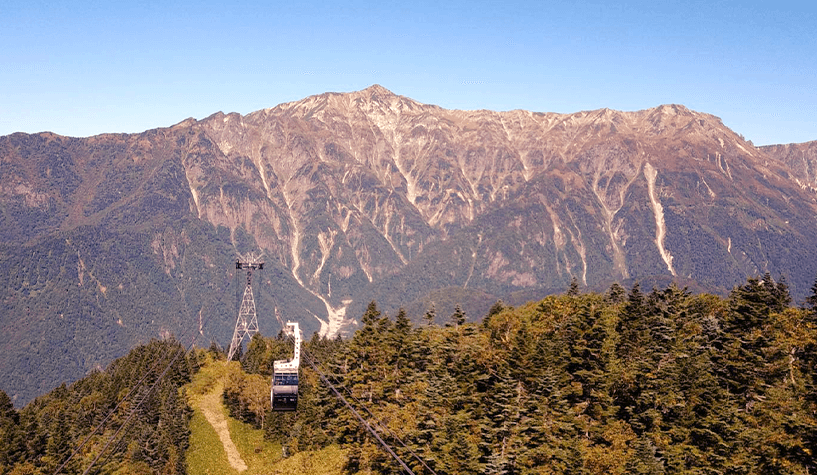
{"type": "Point", "coordinates": [246, 325]}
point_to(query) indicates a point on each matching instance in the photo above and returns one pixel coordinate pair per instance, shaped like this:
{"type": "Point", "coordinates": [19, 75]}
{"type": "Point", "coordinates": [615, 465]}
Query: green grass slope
{"type": "Point", "coordinates": [207, 454]}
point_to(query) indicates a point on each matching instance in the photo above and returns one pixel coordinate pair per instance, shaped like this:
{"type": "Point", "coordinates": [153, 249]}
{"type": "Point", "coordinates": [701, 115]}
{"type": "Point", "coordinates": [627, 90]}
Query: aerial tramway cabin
{"type": "Point", "coordinates": [284, 392]}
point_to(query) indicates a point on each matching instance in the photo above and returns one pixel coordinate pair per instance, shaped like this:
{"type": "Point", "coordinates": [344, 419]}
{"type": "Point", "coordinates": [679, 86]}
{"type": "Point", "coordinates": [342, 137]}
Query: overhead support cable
{"type": "Point", "coordinates": [360, 418]}
{"type": "Point", "coordinates": [182, 351]}
{"type": "Point", "coordinates": [380, 424]}
{"type": "Point", "coordinates": [135, 409]}
{"type": "Point", "coordinates": [111, 413]}
{"type": "Point", "coordinates": [385, 427]}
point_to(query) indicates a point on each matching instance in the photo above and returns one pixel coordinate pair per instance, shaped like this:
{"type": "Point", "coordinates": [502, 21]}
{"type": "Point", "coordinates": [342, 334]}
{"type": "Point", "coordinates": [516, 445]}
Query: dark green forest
{"type": "Point", "coordinates": [153, 419]}
{"type": "Point", "coordinates": [644, 382]}
{"type": "Point", "coordinates": [628, 381]}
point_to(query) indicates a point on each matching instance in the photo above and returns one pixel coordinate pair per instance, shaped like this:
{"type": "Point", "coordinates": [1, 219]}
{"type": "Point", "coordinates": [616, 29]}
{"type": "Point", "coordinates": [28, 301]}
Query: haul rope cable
{"type": "Point", "coordinates": [181, 351]}
{"type": "Point", "coordinates": [113, 411]}
{"type": "Point", "coordinates": [133, 412]}
{"type": "Point", "coordinates": [384, 427]}
{"type": "Point", "coordinates": [124, 399]}
{"type": "Point", "coordinates": [357, 415]}
{"type": "Point", "coordinates": [113, 451]}
{"type": "Point", "coordinates": [379, 423]}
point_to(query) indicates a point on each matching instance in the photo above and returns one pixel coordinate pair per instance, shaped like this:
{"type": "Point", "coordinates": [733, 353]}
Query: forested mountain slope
{"type": "Point", "coordinates": [617, 383]}
{"type": "Point", "coordinates": [111, 240]}
{"type": "Point", "coordinates": [138, 393]}
{"type": "Point", "coordinates": [800, 158]}
{"type": "Point", "coordinates": [624, 382]}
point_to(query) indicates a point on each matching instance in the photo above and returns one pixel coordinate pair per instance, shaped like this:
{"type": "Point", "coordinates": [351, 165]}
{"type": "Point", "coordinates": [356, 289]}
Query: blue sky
{"type": "Point", "coordinates": [84, 68]}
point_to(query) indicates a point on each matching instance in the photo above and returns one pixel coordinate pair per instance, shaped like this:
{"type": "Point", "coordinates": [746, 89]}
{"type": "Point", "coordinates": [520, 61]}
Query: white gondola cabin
{"type": "Point", "coordinates": [284, 392]}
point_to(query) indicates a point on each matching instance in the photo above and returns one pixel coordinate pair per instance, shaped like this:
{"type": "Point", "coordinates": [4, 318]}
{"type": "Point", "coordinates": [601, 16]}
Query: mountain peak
{"type": "Point", "coordinates": [342, 101]}
{"type": "Point", "coordinates": [377, 90]}
{"type": "Point", "coordinates": [673, 108]}
{"type": "Point", "coordinates": [378, 94]}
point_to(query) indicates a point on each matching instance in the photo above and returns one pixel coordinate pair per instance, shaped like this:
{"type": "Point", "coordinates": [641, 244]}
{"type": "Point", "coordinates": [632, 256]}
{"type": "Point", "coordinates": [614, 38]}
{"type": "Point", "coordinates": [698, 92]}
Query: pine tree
{"type": "Point", "coordinates": [11, 449]}
{"type": "Point", "coordinates": [639, 351]}
{"type": "Point", "coordinates": [458, 317]}
{"type": "Point", "coordinates": [259, 356]}
{"type": "Point", "coordinates": [808, 368]}
{"type": "Point", "coordinates": [498, 307]}
{"type": "Point", "coordinates": [616, 294]}
{"type": "Point", "coordinates": [752, 303]}
{"type": "Point", "coordinates": [744, 361]}
{"type": "Point", "coordinates": [632, 325]}
{"type": "Point", "coordinates": [430, 316]}
{"type": "Point", "coordinates": [548, 426]}
{"type": "Point", "coordinates": [368, 355]}
{"type": "Point", "coordinates": [371, 316]}
{"type": "Point", "coordinates": [644, 460]}
{"type": "Point", "coordinates": [586, 362]}
{"type": "Point", "coordinates": [215, 350]}
{"type": "Point", "coordinates": [59, 443]}
{"type": "Point", "coordinates": [400, 340]}
{"type": "Point", "coordinates": [35, 435]}
{"type": "Point", "coordinates": [436, 405]}
{"type": "Point", "coordinates": [402, 323]}
{"type": "Point", "coordinates": [501, 415]}
{"type": "Point", "coordinates": [811, 303]}
{"type": "Point", "coordinates": [781, 297]}
{"type": "Point", "coordinates": [573, 290]}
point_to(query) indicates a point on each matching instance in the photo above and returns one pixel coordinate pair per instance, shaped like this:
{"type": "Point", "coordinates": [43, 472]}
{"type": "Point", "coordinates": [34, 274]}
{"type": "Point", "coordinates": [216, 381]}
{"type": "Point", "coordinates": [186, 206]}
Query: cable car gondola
{"type": "Point", "coordinates": [284, 392]}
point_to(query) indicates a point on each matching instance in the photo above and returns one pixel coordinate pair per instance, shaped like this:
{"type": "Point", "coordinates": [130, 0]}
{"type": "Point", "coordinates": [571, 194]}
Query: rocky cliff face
{"type": "Point", "coordinates": [371, 195]}
{"type": "Point", "coordinates": [539, 198]}
{"type": "Point", "coordinates": [801, 161]}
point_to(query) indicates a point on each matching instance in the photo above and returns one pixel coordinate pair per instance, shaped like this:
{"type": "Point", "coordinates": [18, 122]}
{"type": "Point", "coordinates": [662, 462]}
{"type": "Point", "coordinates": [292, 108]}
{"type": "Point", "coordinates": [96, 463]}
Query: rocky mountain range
{"type": "Point", "coordinates": [353, 197]}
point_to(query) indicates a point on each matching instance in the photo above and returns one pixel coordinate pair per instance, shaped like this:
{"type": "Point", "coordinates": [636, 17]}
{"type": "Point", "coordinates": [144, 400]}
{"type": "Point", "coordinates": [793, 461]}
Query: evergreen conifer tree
{"type": "Point", "coordinates": [501, 415]}
{"type": "Point", "coordinates": [744, 362]}
{"type": "Point", "coordinates": [11, 447]}
{"type": "Point", "coordinates": [616, 293]}
{"type": "Point", "coordinates": [644, 460]}
{"type": "Point", "coordinates": [811, 303]}
{"type": "Point", "coordinates": [430, 316]}
{"type": "Point", "coordinates": [632, 326]}
{"type": "Point", "coordinates": [781, 297]}
{"type": "Point", "coordinates": [573, 290]}
{"type": "Point", "coordinates": [402, 323]}
{"type": "Point", "coordinates": [495, 309]}
{"type": "Point", "coordinates": [400, 340]}
{"type": "Point", "coordinates": [458, 317]}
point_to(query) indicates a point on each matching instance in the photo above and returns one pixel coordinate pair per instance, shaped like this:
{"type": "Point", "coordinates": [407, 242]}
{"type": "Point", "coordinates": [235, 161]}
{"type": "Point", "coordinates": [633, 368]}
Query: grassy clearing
{"type": "Point", "coordinates": [328, 461]}
{"type": "Point", "coordinates": [258, 453]}
{"type": "Point", "coordinates": [211, 374]}
{"type": "Point", "coordinates": [207, 455]}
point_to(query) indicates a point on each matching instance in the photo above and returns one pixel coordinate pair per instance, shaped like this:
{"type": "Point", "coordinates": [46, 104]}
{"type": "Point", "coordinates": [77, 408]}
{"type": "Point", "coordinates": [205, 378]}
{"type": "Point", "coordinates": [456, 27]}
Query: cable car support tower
{"type": "Point", "coordinates": [246, 325]}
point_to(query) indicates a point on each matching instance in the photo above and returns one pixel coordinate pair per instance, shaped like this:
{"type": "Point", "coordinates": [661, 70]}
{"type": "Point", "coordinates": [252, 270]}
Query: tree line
{"type": "Point", "coordinates": [39, 438]}
{"type": "Point", "coordinates": [629, 381]}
